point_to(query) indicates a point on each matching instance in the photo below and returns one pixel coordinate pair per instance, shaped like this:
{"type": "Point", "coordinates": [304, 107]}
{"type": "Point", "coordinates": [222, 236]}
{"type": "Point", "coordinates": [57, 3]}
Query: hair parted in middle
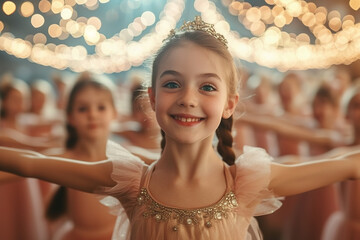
{"type": "Point", "coordinates": [209, 42]}
{"type": "Point", "coordinates": [81, 84]}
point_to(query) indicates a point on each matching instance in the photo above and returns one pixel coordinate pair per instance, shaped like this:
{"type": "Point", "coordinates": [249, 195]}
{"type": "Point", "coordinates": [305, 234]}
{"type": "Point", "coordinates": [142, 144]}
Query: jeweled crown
{"type": "Point", "coordinates": [199, 25]}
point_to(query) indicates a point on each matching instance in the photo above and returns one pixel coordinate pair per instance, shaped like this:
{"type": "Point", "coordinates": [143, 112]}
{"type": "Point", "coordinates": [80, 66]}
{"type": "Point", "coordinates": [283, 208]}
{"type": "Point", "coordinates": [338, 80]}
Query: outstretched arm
{"type": "Point", "coordinates": [298, 178]}
{"type": "Point", "coordinates": [285, 128]}
{"type": "Point", "coordinates": [8, 177]}
{"type": "Point", "coordinates": [80, 175]}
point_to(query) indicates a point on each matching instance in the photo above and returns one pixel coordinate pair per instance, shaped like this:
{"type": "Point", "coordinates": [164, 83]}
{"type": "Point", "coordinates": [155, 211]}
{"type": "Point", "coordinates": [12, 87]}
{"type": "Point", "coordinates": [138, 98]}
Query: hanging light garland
{"type": "Point", "coordinates": [116, 54]}
{"type": "Point", "coordinates": [332, 40]}
{"type": "Point", "coordinates": [274, 48]}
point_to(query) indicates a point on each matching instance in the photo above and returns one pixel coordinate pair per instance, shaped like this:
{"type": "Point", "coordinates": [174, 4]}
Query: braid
{"type": "Point", "coordinates": [58, 204]}
{"type": "Point", "coordinates": [224, 147]}
{"type": "Point", "coordinates": [163, 140]}
{"type": "Point", "coordinates": [71, 137]}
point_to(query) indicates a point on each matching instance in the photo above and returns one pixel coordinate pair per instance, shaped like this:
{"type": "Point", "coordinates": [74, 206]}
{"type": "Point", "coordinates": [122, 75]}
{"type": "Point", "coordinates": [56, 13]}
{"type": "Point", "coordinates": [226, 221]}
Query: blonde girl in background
{"type": "Point", "coordinates": [192, 191]}
{"type": "Point", "coordinates": [90, 111]}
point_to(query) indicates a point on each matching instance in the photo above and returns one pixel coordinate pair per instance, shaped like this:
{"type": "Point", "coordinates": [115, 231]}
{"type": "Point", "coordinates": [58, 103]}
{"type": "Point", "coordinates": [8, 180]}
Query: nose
{"type": "Point", "coordinates": [188, 97]}
{"type": "Point", "coordinates": [92, 112]}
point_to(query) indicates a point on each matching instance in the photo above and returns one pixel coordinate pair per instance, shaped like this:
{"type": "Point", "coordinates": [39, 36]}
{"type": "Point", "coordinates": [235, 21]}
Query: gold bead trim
{"type": "Point", "coordinates": [161, 213]}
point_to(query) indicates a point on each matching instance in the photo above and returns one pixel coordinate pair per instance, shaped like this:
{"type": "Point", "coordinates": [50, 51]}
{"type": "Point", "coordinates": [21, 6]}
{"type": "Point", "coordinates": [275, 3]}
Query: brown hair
{"type": "Point", "coordinates": [208, 42]}
{"type": "Point", "coordinates": [325, 94]}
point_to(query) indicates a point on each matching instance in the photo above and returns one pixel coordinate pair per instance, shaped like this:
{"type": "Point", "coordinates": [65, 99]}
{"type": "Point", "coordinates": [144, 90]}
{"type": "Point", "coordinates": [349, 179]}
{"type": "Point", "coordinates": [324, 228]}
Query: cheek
{"type": "Point", "coordinates": [330, 111]}
{"type": "Point", "coordinates": [215, 109]}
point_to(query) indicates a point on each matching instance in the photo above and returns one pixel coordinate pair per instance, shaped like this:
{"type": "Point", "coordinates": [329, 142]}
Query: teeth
{"type": "Point", "coordinates": [182, 119]}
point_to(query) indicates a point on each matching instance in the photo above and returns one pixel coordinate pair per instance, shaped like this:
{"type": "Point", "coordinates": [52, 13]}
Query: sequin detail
{"type": "Point", "coordinates": [216, 212]}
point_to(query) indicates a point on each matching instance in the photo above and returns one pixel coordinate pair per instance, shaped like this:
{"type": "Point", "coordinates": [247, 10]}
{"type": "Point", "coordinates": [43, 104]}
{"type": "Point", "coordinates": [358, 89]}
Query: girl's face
{"type": "Point", "coordinates": [92, 113]}
{"type": "Point", "coordinates": [190, 96]}
{"type": "Point", "coordinates": [143, 114]}
{"type": "Point", "coordinates": [38, 99]}
{"type": "Point", "coordinates": [353, 113]}
{"type": "Point", "coordinates": [288, 92]}
{"type": "Point", "coordinates": [13, 104]}
{"type": "Point", "coordinates": [325, 113]}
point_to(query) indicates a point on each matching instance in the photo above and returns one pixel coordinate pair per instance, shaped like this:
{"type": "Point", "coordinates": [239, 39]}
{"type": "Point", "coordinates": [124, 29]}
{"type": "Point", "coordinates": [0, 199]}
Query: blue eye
{"type": "Point", "coordinates": [171, 85]}
{"type": "Point", "coordinates": [208, 88]}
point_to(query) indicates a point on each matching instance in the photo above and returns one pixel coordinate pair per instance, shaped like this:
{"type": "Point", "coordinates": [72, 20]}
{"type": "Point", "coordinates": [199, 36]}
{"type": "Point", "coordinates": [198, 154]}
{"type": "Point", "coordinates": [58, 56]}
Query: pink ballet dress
{"type": "Point", "coordinates": [141, 216]}
{"type": "Point", "coordinates": [345, 224]}
{"type": "Point", "coordinates": [22, 211]}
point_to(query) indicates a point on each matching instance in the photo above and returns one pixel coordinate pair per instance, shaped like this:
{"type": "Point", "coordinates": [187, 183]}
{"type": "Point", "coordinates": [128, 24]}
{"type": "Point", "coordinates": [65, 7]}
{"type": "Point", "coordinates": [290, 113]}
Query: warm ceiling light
{"type": "Point", "coordinates": [37, 20]}
{"type": "Point", "coordinates": [81, 1]}
{"type": "Point", "coordinates": [57, 6]}
{"type": "Point", "coordinates": [54, 30]}
{"type": "Point", "coordinates": [9, 7]}
{"type": "Point", "coordinates": [27, 9]}
{"type": "Point", "coordinates": [1, 26]}
{"type": "Point", "coordinates": [354, 4]}
{"type": "Point", "coordinates": [66, 12]}
{"type": "Point", "coordinates": [95, 21]}
{"type": "Point", "coordinates": [70, 2]}
{"type": "Point", "coordinates": [39, 38]}
{"type": "Point", "coordinates": [44, 6]}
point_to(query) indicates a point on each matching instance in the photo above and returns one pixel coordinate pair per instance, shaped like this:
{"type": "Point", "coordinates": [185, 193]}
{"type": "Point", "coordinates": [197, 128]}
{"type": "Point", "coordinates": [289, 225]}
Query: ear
{"type": "Point", "coordinates": [230, 106]}
{"type": "Point", "coordinates": [151, 97]}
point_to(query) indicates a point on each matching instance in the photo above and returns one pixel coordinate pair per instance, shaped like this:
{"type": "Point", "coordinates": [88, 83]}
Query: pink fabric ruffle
{"type": "Point", "coordinates": [127, 171]}
{"type": "Point", "coordinates": [251, 183]}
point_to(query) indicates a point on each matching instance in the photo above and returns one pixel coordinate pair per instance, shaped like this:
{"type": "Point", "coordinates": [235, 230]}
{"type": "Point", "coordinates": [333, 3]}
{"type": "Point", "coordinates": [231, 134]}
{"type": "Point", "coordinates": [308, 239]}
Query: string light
{"type": "Point", "coordinates": [272, 47]}
{"type": "Point", "coordinates": [9, 7]}
{"type": "Point", "coordinates": [27, 9]}
{"type": "Point", "coordinates": [115, 54]}
{"type": "Point", "coordinates": [37, 20]}
{"type": "Point", "coordinates": [333, 39]}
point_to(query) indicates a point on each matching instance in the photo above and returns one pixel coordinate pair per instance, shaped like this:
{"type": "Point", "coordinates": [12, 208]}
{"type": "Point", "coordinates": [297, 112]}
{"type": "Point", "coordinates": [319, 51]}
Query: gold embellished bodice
{"type": "Point", "coordinates": [141, 216]}
{"type": "Point", "coordinates": [208, 216]}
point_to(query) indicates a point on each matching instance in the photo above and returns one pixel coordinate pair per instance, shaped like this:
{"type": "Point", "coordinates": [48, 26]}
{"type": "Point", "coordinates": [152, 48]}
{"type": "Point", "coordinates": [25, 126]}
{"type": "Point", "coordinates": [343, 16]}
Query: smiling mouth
{"type": "Point", "coordinates": [187, 119]}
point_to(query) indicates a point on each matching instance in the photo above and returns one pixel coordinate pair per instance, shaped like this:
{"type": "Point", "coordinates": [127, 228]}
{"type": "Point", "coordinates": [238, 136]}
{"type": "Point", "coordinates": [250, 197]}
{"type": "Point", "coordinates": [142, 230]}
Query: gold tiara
{"type": "Point", "coordinates": [199, 25]}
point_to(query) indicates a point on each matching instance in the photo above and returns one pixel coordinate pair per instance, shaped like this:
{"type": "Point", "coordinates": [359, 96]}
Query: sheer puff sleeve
{"type": "Point", "coordinates": [127, 173]}
{"type": "Point", "coordinates": [251, 183]}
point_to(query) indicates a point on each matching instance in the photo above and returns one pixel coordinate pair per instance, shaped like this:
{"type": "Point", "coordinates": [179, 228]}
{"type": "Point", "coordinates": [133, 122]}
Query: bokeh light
{"type": "Point", "coordinates": [37, 20]}
{"type": "Point", "coordinates": [9, 7]}
{"type": "Point", "coordinates": [267, 42]}
{"type": "Point", "coordinates": [27, 9]}
{"type": "Point", "coordinates": [54, 30]}
{"type": "Point", "coordinates": [44, 6]}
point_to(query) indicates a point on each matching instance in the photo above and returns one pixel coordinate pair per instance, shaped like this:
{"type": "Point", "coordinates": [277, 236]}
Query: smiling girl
{"type": "Point", "coordinates": [192, 191]}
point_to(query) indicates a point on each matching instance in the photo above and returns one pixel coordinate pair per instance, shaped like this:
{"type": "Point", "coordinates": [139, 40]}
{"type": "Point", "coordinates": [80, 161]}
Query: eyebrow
{"type": "Point", "coordinates": [175, 73]}
{"type": "Point", "coordinates": [170, 72]}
